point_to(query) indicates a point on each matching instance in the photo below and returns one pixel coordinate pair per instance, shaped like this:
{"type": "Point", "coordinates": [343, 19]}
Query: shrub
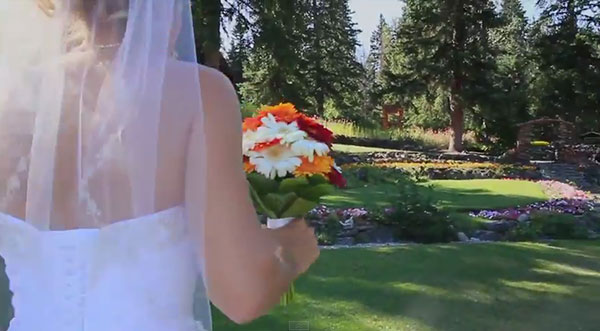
{"type": "Point", "coordinates": [558, 226]}
{"type": "Point", "coordinates": [416, 217]}
{"type": "Point", "coordinates": [549, 225]}
{"type": "Point", "coordinates": [523, 232]}
{"type": "Point", "coordinates": [327, 234]}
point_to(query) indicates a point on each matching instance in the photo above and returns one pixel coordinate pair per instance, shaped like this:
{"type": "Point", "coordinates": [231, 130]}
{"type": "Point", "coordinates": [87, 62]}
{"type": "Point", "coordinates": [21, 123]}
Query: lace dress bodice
{"type": "Point", "coordinates": [138, 275]}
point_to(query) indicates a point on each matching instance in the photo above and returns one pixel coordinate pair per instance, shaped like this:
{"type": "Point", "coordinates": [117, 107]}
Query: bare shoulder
{"type": "Point", "coordinates": [219, 98]}
{"type": "Point", "coordinates": [214, 80]}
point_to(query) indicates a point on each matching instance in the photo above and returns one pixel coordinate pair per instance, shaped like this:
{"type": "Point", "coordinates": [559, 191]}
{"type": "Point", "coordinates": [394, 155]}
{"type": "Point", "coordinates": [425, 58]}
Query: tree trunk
{"type": "Point", "coordinates": [212, 58]}
{"type": "Point", "coordinates": [207, 25]}
{"type": "Point", "coordinates": [457, 123]}
{"type": "Point", "coordinates": [457, 112]}
{"type": "Point", "coordinates": [320, 99]}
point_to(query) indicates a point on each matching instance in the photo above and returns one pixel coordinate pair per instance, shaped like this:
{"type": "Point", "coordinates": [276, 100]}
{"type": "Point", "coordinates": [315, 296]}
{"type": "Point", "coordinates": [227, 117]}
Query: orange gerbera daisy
{"type": "Point", "coordinates": [252, 123]}
{"type": "Point", "coordinates": [285, 112]}
{"type": "Point", "coordinates": [248, 167]}
{"type": "Point", "coordinates": [320, 165]}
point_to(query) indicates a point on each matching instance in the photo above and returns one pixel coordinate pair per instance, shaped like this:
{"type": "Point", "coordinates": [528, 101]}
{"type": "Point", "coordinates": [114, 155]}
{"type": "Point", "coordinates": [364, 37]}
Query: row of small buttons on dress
{"type": "Point", "coordinates": [72, 271]}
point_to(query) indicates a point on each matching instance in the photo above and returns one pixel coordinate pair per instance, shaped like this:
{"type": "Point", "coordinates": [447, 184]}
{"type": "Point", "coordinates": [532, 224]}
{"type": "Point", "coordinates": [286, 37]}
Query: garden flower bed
{"type": "Point", "coordinates": [569, 213]}
{"type": "Point", "coordinates": [564, 199]}
{"type": "Point", "coordinates": [449, 169]}
{"type": "Point", "coordinates": [575, 207]}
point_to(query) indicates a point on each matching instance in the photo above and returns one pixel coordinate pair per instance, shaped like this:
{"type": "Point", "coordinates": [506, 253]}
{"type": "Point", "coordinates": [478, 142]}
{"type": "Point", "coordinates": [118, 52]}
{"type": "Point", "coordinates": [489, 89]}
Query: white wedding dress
{"type": "Point", "coordinates": [134, 275]}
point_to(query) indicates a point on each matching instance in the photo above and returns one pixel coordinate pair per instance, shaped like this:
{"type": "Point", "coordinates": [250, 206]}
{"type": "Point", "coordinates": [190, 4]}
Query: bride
{"type": "Point", "coordinates": [123, 201]}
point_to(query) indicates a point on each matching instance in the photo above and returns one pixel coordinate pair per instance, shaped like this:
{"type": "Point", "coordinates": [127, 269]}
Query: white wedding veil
{"type": "Point", "coordinates": [82, 100]}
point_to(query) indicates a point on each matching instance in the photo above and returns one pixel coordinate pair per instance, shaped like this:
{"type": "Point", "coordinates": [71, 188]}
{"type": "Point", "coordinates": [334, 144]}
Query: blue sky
{"type": "Point", "coordinates": [367, 14]}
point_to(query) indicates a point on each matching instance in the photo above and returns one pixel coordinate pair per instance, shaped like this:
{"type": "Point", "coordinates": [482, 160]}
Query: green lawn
{"type": "Point", "coordinates": [501, 287]}
{"type": "Point", "coordinates": [463, 195]}
{"type": "Point", "coordinates": [352, 149]}
{"type": "Point", "coordinates": [453, 195]}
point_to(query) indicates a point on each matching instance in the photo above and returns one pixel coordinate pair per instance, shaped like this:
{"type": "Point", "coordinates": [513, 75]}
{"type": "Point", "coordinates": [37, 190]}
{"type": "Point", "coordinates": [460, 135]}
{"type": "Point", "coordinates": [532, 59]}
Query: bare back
{"type": "Point", "coordinates": [179, 109]}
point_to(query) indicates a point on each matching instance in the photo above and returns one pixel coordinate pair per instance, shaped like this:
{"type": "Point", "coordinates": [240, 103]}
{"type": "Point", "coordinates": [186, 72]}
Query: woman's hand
{"type": "Point", "coordinates": [298, 245]}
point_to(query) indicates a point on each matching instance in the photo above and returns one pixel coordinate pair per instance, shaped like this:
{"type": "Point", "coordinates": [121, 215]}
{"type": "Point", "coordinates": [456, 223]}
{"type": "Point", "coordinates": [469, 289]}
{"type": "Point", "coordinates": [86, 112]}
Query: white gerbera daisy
{"type": "Point", "coordinates": [271, 129]}
{"type": "Point", "coordinates": [277, 160]}
{"type": "Point", "coordinates": [249, 140]}
{"type": "Point", "coordinates": [309, 147]}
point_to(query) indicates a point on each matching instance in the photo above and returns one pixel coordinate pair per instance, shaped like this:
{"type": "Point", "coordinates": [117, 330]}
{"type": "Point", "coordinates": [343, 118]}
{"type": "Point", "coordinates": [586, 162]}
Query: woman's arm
{"type": "Point", "coordinates": [248, 268]}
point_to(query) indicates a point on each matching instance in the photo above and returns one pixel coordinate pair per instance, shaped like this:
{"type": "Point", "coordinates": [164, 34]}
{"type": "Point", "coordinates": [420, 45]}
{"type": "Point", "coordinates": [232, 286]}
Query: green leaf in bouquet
{"type": "Point", "coordinates": [279, 202]}
{"type": "Point", "coordinates": [299, 208]}
{"type": "Point", "coordinates": [260, 205]}
{"type": "Point", "coordinates": [314, 193]}
{"type": "Point", "coordinates": [262, 184]}
{"type": "Point", "coordinates": [317, 180]}
{"type": "Point", "coordinates": [293, 184]}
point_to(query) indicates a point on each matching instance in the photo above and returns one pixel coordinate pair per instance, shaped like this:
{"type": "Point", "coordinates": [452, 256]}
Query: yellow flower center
{"type": "Point", "coordinates": [275, 152]}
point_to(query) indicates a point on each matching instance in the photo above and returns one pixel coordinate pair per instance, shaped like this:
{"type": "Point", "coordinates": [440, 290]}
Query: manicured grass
{"type": "Point", "coordinates": [353, 149]}
{"type": "Point", "coordinates": [453, 195]}
{"type": "Point", "coordinates": [496, 287]}
{"type": "Point", "coordinates": [486, 193]}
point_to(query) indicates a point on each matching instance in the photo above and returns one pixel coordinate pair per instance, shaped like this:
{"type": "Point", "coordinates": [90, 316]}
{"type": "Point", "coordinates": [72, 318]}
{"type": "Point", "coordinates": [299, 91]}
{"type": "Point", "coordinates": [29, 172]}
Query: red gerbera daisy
{"type": "Point", "coordinates": [336, 178]}
{"type": "Point", "coordinates": [315, 130]}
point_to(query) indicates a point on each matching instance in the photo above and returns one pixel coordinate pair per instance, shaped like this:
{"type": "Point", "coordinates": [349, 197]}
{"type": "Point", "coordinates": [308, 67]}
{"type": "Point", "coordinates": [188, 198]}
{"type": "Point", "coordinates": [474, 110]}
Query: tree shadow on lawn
{"type": "Point", "coordinates": [453, 199]}
{"type": "Point", "coordinates": [462, 287]}
{"type": "Point", "coordinates": [449, 287]}
{"type": "Point", "coordinates": [475, 199]}
{"type": "Point", "coordinates": [442, 287]}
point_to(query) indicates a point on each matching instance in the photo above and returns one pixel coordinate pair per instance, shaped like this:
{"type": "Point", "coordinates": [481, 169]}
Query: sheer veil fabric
{"type": "Point", "coordinates": [82, 101]}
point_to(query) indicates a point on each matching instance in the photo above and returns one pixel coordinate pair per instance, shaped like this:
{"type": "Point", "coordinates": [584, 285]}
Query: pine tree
{"type": "Point", "coordinates": [276, 70]}
{"type": "Point", "coordinates": [511, 101]}
{"type": "Point", "coordinates": [241, 45]}
{"type": "Point", "coordinates": [333, 69]}
{"type": "Point", "coordinates": [207, 25]}
{"type": "Point", "coordinates": [381, 44]}
{"type": "Point", "coordinates": [303, 52]}
{"type": "Point", "coordinates": [568, 62]}
{"type": "Point", "coordinates": [379, 40]}
{"type": "Point", "coordinates": [446, 46]}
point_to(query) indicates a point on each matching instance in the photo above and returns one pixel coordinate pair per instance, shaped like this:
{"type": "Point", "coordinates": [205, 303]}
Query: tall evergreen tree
{"type": "Point", "coordinates": [277, 68]}
{"type": "Point", "coordinates": [333, 68]}
{"type": "Point", "coordinates": [207, 25]}
{"type": "Point", "coordinates": [511, 101]}
{"type": "Point", "coordinates": [241, 45]}
{"type": "Point", "coordinates": [303, 52]}
{"type": "Point", "coordinates": [380, 40]}
{"type": "Point", "coordinates": [568, 63]}
{"type": "Point", "coordinates": [446, 45]}
{"type": "Point", "coordinates": [381, 43]}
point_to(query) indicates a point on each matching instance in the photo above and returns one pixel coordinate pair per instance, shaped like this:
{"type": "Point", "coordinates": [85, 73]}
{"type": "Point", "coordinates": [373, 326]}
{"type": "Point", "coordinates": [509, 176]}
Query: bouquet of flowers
{"type": "Point", "coordinates": [286, 158]}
